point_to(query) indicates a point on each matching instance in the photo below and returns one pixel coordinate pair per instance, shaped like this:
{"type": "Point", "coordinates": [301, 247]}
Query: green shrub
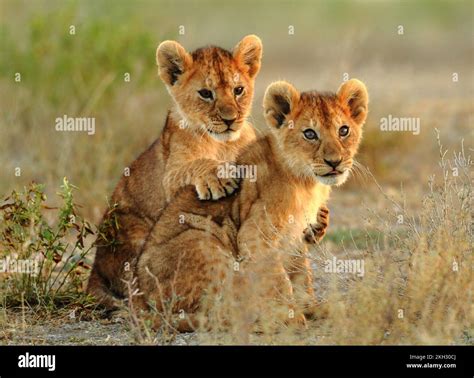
{"type": "Point", "coordinates": [55, 254]}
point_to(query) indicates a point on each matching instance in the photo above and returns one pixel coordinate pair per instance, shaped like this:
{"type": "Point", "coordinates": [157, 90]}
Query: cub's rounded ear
{"type": "Point", "coordinates": [279, 101]}
{"type": "Point", "coordinates": [172, 60]}
{"type": "Point", "coordinates": [353, 93]}
{"type": "Point", "coordinates": [248, 53]}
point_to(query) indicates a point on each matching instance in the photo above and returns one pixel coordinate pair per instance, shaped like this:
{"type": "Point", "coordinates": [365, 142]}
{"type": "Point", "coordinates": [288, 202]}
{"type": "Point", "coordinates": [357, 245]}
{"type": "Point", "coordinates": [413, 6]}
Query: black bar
{"type": "Point", "coordinates": [209, 361]}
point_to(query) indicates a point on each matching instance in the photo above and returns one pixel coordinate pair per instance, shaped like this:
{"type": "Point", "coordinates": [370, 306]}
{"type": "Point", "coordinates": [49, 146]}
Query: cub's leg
{"type": "Point", "coordinates": [316, 231]}
{"type": "Point", "coordinates": [116, 255]}
{"type": "Point", "coordinates": [301, 276]}
{"type": "Point", "coordinates": [226, 234]}
{"type": "Point", "coordinates": [268, 290]}
{"type": "Point", "coordinates": [97, 287]}
{"type": "Point", "coordinates": [182, 274]}
{"type": "Point", "coordinates": [274, 293]}
{"type": "Point", "coordinates": [302, 273]}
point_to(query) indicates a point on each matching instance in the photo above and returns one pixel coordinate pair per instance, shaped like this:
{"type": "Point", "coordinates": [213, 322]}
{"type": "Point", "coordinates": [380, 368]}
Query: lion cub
{"type": "Point", "coordinates": [195, 247]}
{"type": "Point", "coordinates": [212, 90]}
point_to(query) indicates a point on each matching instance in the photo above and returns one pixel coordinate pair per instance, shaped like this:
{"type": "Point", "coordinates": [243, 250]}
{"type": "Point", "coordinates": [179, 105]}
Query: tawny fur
{"type": "Point", "coordinates": [199, 134]}
{"type": "Point", "coordinates": [186, 256]}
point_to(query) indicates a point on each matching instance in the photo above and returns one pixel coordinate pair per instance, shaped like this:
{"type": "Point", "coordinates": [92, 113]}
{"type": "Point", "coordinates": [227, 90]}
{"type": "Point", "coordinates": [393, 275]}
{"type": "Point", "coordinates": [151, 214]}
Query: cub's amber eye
{"type": "Point", "coordinates": [344, 131]}
{"type": "Point", "coordinates": [238, 91]}
{"type": "Point", "coordinates": [206, 94]}
{"type": "Point", "coordinates": [310, 134]}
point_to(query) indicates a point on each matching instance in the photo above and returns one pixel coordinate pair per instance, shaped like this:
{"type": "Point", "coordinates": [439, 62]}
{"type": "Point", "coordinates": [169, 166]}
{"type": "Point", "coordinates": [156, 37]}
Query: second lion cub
{"type": "Point", "coordinates": [195, 247]}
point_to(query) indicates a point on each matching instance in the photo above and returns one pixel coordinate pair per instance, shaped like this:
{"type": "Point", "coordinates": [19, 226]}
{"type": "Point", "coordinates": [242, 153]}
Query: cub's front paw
{"type": "Point", "coordinates": [316, 231]}
{"type": "Point", "coordinates": [213, 187]}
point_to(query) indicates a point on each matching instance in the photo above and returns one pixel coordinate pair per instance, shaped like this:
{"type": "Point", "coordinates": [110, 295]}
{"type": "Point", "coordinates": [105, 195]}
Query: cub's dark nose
{"type": "Point", "coordinates": [228, 122]}
{"type": "Point", "coordinates": [333, 163]}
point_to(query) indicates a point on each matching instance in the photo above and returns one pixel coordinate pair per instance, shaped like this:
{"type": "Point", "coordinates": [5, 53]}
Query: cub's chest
{"type": "Point", "coordinates": [195, 146]}
{"type": "Point", "coordinates": [300, 207]}
{"type": "Point", "coordinates": [317, 197]}
{"type": "Point", "coordinates": [217, 151]}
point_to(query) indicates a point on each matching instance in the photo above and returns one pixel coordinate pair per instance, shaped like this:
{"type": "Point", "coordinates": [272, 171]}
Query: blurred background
{"type": "Point", "coordinates": [416, 58]}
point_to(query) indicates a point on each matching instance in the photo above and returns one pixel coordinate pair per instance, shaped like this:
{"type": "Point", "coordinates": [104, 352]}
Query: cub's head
{"type": "Point", "coordinates": [317, 133]}
{"type": "Point", "coordinates": [212, 87]}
